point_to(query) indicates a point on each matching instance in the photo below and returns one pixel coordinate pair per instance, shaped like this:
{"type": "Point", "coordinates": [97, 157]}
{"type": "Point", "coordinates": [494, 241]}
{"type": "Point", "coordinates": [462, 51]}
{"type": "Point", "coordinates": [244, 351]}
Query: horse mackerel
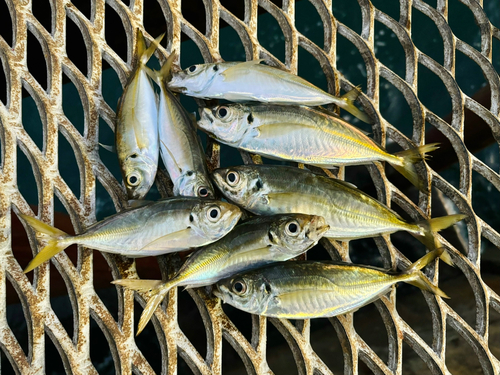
{"type": "Point", "coordinates": [136, 134]}
{"type": "Point", "coordinates": [350, 213]}
{"type": "Point", "coordinates": [155, 228]}
{"type": "Point", "coordinates": [259, 241]}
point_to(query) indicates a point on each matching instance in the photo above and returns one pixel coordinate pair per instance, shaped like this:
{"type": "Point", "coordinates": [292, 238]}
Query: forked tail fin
{"type": "Point", "coordinates": [52, 235]}
{"type": "Point", "coordinates": [158, 289]}
{"type": "Point", "coordinates": [143, 53]}
{"type": "Point", "coordinates": [410, 157]}
{"type": "Point", "coordinates": [348, 104]}
{"type": "Point", "coordinates": [419, 279]}
{"type": "Point", "coordinates": [429, 227]}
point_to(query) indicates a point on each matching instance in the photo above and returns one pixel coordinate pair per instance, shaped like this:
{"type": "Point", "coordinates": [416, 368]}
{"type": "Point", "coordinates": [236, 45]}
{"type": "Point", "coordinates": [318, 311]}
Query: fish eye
{"type": "Point", "coordinates": [203, 191]}
{"type": "Point", "coordinates": [233, 178]}
{"type": "Point", "coordinates": [213, 214]}
{"type": "Point", "coordinates": [222, 112]}
{"type": "Point", "coordinates": [133, 179]}
{"type": "Point", "coordinates": [192, 69]}
{"type": "Point", "coordinates": [239, 287]}
{"type": "Point", "coordinates": [292, 228]}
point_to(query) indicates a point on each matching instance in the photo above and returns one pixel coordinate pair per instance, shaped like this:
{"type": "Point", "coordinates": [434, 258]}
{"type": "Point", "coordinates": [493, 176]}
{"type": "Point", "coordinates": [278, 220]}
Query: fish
{"type": "Point", "coordinates": [155, 228]}
{"type": "Point", "coordinates": [317, 289]}
{"type": "Point", "coordinates": [180, 146]}
{"type": "Point", "coordinates": [136, 133]}
{"type": "Point", "coordinates": [251, 244]}
{"type": "Point", "coordinates": [303, 135]}
{"type": "Point", "coordinates": [252, 81]}
{"type": "Point", "coordinates": [350, 213]}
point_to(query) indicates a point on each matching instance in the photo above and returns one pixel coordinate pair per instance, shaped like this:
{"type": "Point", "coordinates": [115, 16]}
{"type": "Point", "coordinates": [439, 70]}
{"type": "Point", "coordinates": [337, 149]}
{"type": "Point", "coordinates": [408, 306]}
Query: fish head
{"type": "Point", "coordinates": [139, 174]}
{"type": "Point", "coordinates": [249, 292]}
{"type": "Point", "coordinates": [192, 80]}
{"type": "Point", "coordinates": [296, 233]}
{"type": "Point", "coordinates": [238, 184]}
{"type": "Point", "coordinates": [194, 184]}
{"type": "Point", "coordinates": [227, 123]}
{"type": "Point", "coordinates": [214, 219]}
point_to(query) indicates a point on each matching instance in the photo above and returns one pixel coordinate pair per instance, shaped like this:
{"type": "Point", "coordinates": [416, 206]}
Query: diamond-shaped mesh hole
{"type": "Point", "coordinates": [148, 343]}
{"type": "Point", "coordinates": [32, 120]}
{"type": "Point", "coordinates": [42, 10]}
{"type": "Point", "coordinates": [426, 37]}
{"type": "Point", "coordinates": [76, 49]}
{"type": "Point", "coordinates": [279, 356]}
{"type": "Point", "coordinates": [154, 19]}
{"type": "Point", "coordinates": [6, 24]}
{"type": "Point", "coordinates": [432, 92]}
{"type": "Point", "coordinates": [61, 304]}
{"type": "Point", "coordinates": [84, 6]}
{"type": "Point", "coordinates": [191, 323]}
{"type": "Point", "coordinates": [26, 181]}
{"type": "Point", "coordinates": [485, 200]}
{"type": "Point", "coordinates": [494, 333]}
{"type": "Point", "coordinates": [100, 352]}
{"type": "Point", "coordinates": [460, 357]}
{"type": "Point", "coordinates": [72, 106]}
{"type": "Point", "coordinates": [37, 64]}
{"type": "Point", "coordinates": [16, 319]}
{"type": "Point", "coordinates": [370, 326]}
{"type": "Point", "coordinates": [53, 362]}
{"type": "Point", "coordinates": [351, 65]}
{"type": "Point", "coordinates": [231, 48]}
{"type": "Point", "coordinates": [490, 263]}
{"type": "Point", "coordinates": [276, 44]}
{"type": "Point", "coordinates": [459, 15]}
{"type": "Point", "coordinates": [413, 363]}
{"type": "Point", "coordinates": [68, 166]}
{"type": "Point", "coordinates": [4, 92]}
{"type": "Point", "coordinates": [116, 36]}
{"type": "Point", "coordinates": [349, 15]}
{"type": "Point", "coordinates": [303, 24]}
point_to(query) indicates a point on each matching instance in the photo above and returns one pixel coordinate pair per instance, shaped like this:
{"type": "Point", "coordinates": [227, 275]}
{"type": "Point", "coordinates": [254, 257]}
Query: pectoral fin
{"type": "Point", "coordinates": [110, 148]}
{"type": "Point", "coordinates": [169, 241]}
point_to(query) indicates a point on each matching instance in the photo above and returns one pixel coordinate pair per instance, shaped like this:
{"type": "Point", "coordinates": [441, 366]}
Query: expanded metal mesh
{"type": "Point", "coordinates": [74, 348]}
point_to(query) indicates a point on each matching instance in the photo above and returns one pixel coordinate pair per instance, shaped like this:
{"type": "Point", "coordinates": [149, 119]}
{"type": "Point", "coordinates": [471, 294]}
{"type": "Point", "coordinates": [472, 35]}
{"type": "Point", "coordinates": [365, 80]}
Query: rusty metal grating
{"type": "Point", "coordinates": [74, 349]}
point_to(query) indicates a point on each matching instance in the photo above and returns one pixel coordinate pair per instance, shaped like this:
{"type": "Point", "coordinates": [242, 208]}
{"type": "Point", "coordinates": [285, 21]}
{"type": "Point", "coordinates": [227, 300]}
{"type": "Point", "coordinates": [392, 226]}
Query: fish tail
{"type": "Point", "coordinates": [48, 233]}
{"type": "Point", "coordinates": [165, 73]}
{"type": "Point", "coordinates": [419, 280]}
{"type": "Point", "coordinates": [409, 158]}
{"type": "Point", "coordinates": [158, 292]}
{"type": "Point", "coordinates": [348, 104]}
{"type": "Point", "coordinates": [142, 52]}
{"type": "Point", "coordinates": [429, 227]}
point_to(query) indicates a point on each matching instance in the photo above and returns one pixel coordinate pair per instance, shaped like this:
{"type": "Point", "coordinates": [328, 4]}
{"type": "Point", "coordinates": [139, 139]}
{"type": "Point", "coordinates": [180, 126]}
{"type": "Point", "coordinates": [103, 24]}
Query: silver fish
{"type": "Point", "coordinates": [252, 244]}
{"type": "Point", "coordinates": [252, 81]}
{"type": "Point", "coordinates": [136, 134]}
{"type": "Point", "coordinates": [156, 228]}
{"type": "Point", "coordinates": [304, 135]}
{"type": "Point", "coordinates": [350, 213]}
{"type": "Point", "coordinates": [180, 146]}
{"type": "Point", "coordinates": [308, 289]}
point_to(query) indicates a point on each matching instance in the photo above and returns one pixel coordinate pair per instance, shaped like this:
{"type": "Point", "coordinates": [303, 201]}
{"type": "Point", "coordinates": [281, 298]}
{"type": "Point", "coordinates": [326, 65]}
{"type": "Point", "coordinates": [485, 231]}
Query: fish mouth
{"type": "Point", "coordinates": [217, 178]}
{"type": "Point", "coordinates": [317, 228]}
{"type": "Point", "coordinates": [175, 84]}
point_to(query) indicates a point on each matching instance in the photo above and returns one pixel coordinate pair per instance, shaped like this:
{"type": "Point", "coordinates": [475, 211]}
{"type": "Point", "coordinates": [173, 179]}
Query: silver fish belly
{"type": "Point", "coordinates": [251, 81]}
{"type": "Point", "coordinates": [181, 150]}
{"type": "Point", "coordinates": [136, 134]}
